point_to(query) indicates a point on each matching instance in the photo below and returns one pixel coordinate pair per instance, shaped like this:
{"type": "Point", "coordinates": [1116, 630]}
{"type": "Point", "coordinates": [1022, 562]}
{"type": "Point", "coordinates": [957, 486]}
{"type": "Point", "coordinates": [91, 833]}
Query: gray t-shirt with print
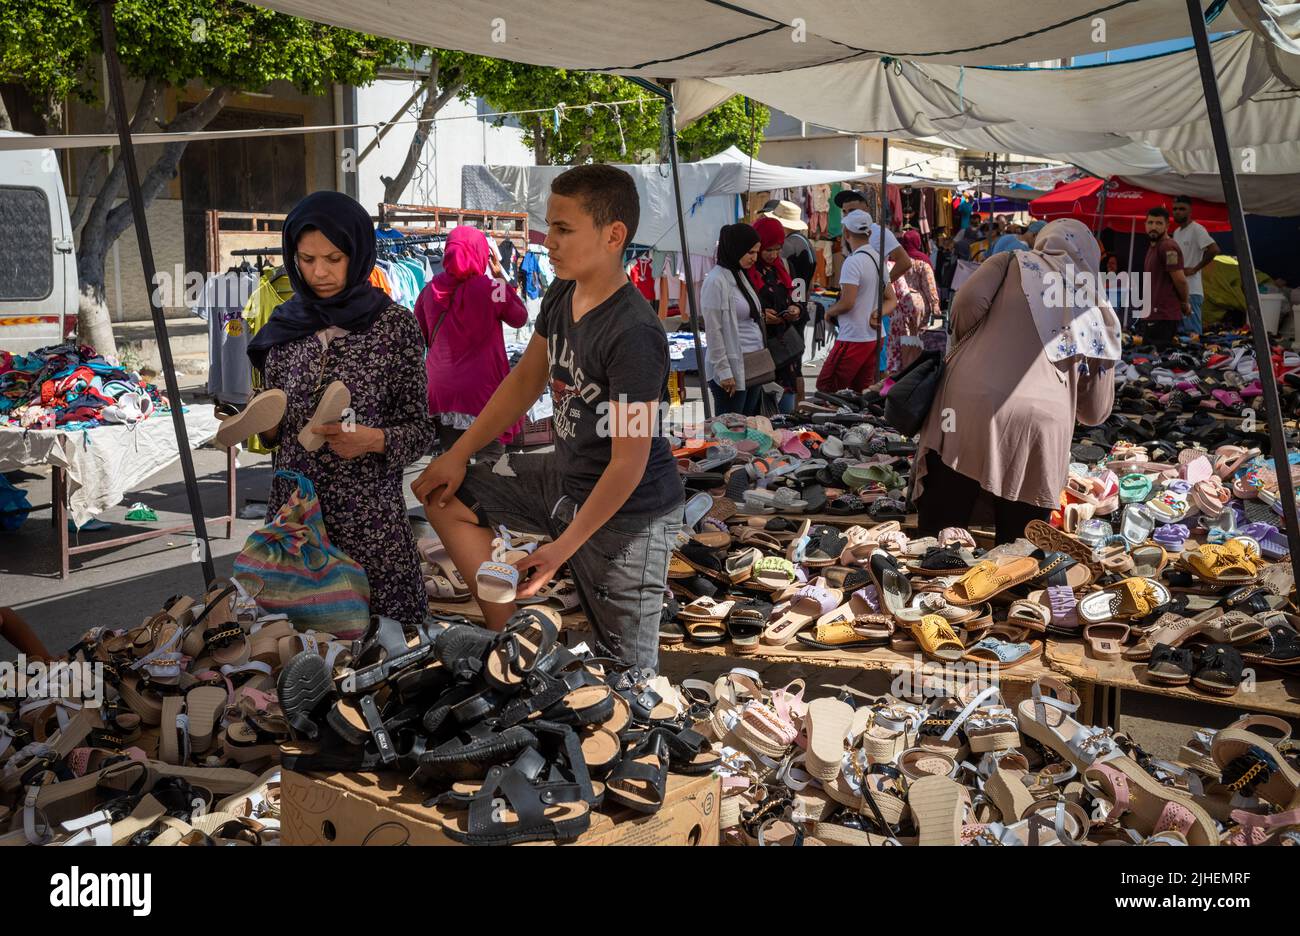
{"type": "Point", "coordinates": [619, 352]}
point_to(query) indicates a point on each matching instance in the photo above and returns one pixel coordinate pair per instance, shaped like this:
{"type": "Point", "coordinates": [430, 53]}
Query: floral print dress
{"type": "Point", "coordinates": [362, 499]}
{"type": "Point", "coordinates": [918, 303]}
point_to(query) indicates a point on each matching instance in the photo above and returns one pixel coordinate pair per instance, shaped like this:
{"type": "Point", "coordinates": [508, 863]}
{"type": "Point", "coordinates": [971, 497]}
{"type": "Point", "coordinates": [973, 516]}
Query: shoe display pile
{"type": "Point", "coordinates": [511, 736]}
{"type": "Point", "coordinates": [971, 769]}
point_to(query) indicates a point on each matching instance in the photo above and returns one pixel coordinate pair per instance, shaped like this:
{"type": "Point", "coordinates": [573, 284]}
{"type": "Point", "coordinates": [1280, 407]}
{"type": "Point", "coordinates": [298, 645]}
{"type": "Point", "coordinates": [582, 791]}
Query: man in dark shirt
{"type": "Point", "coordinates": [609, 496]}
{"type": "Point", "coordinates": [1166, 282]}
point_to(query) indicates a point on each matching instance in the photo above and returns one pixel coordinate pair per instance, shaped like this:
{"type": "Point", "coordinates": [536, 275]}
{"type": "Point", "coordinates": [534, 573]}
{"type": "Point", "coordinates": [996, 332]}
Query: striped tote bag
{"type": "Point", "coordinates": [313, 582]}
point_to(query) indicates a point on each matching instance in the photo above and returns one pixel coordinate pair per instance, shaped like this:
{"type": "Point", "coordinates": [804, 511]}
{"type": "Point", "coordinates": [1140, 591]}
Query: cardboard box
{"type": "Point", "coordinates": [385, 809]}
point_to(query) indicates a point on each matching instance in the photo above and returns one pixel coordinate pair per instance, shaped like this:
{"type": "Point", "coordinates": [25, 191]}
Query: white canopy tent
{"type": "Point", "coordinates": [713, 38]}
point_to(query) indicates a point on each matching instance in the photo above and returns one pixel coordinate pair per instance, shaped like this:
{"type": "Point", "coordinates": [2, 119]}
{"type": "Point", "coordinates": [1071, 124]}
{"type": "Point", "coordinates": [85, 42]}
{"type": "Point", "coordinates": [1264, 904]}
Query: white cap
{"type": "Point", "coordinates": [858, 221]}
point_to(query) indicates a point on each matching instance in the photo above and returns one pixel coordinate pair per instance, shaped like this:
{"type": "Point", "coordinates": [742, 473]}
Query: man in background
{"type": "Point", "coordinates": [1168, 294]}
{"type": "Point", "coordinates": [1199, 251]}
{"type": "Point", "coordinates": [850, 200]}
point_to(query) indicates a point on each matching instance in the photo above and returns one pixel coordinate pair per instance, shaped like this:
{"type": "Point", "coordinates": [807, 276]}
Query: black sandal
{"type": "Point", "coordinates": [473, 752]}
{"type": "Point", "coordinates": [513, 806]}
{"type": "Point", "coordinates": [1172, 666]}
{"type": "Point", "coordinates": [1218, 670]}
{"type": "Point", "coordinates": [846, 505]}
{"type": "Point", "coordinates": [529, 637]}
{"type": "Point", "coordinates": [304, 686]}
{"type": "Point", "coordinates": [640, 780]}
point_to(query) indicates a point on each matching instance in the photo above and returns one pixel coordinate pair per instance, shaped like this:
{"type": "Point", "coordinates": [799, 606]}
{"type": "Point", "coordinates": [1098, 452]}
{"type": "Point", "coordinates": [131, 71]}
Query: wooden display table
{"type": "Point", "coordinates": [352, 809]}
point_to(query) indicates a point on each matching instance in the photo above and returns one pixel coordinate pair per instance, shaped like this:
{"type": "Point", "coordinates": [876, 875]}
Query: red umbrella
{"type": "Point", "coordinates": [1126, 206]}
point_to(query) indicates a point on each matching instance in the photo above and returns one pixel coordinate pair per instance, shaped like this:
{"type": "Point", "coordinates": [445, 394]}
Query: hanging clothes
{"type": "Point", "coordinates": [230, 373]}
{"type": "Point", "coordinates": [943, 209]}
{"type": "Point", "coordinates": [895, 196]}
{"type": "Point", "coordinates": [834, 216]}
{"type": "Point", "coordinates": [506, 247]}
{"type": "Point", "coordinates": [273, 290]}
{"type": "Point", "coordinates": [532, 272]}
{"type": "Point", "coordinates": [641, 272]}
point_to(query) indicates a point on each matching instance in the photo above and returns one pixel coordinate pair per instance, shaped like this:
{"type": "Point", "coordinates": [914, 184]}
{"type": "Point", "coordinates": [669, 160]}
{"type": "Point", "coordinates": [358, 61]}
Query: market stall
{"type": "Point", "coordinates": [442, 708]}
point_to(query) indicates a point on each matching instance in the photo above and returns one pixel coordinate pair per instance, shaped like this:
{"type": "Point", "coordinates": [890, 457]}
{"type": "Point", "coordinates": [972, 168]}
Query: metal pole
{"type": "Point", "coordinates": [667, 95]}
{"type": "Point", "coordinates": [155, 306]}
{"type": "Point", "coordinates": [993, 189]}
{"type": "Point", "coordinates": [1241, 241]}
{"type": "Point", "coordinates": [1128, 268]}
{"type": "Point", "coordinates": [1101, 209]}
{"type": "Point", "coordinates": [884, 223]}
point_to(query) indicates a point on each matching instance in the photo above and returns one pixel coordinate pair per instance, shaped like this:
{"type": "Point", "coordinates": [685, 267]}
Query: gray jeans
{"type": "Point", "coordinates": [620, 572]}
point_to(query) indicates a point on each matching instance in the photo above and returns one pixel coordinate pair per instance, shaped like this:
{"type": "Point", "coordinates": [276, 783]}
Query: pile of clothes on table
{"type": "Point", "coordinates": [72, 387]}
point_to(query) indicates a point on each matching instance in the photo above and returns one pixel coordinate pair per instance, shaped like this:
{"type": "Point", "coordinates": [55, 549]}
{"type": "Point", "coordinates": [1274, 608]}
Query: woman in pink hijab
{"type": "Point", "coordinates": [460, 312]}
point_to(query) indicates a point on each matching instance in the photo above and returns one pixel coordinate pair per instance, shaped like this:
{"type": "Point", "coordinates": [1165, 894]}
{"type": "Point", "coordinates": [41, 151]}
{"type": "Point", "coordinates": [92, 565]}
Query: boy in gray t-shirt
{"type": "Point", "coordinates": [609, 496]}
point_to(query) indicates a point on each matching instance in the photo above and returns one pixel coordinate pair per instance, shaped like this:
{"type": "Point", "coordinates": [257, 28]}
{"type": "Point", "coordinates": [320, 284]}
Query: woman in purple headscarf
{"type": "Point", "coordinates": [460, 312]}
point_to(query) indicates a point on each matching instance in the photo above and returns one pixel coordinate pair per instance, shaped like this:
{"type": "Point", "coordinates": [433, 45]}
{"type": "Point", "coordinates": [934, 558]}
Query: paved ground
{"type": "Point", "coordinates": [125, 585]}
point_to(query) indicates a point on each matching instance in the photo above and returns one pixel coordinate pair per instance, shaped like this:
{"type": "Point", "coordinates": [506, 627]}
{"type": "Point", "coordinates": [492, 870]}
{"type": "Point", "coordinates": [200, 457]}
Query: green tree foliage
{"type": "Point", "coordinates": [51, 48]}
{"type": "Point", "coordinates": [630, 133]}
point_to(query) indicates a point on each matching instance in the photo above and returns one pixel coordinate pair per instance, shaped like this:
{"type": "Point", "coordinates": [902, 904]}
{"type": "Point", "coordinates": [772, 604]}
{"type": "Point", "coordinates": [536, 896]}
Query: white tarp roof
{"type": "Point", "coordinates": [1144, 120]}
{"type": "Point", "coordinates": [713, 38]}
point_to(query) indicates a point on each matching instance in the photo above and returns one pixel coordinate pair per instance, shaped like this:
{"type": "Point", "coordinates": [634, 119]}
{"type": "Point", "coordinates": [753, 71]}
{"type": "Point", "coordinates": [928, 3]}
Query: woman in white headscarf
{"type": "Point", "coordinates": [1036, 346]}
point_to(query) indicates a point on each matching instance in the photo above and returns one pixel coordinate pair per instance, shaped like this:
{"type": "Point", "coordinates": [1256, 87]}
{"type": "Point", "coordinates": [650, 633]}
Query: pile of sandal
{"type": "Point", "coordinates": [970, 769]}
{"type": "Point", "coordinates": [766, 582]}
{"type": "Point", "coordinates": [515, 737]}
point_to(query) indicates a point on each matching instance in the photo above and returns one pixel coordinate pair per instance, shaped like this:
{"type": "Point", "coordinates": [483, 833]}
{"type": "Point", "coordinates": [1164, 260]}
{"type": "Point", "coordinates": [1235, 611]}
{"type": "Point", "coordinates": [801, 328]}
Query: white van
{"type": "Point", "coordinates": [38, 269]}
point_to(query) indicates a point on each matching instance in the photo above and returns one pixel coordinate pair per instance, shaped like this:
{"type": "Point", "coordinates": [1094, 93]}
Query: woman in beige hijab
{"type": "Point", "coordinates": [1036, 346]}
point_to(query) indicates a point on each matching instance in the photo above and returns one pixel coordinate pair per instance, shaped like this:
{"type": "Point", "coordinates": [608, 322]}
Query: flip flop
{"type": "Point", "coordinates": [1106, 641]}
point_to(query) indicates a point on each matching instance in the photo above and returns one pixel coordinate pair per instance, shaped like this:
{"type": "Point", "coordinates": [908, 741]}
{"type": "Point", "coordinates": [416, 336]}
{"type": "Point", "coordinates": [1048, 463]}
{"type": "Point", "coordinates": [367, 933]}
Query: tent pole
{"type": "Point", "coordinates": [993, 189]}
{"type": "Point", "coordinates": [667, 95]}
{"type": "Point", "coordinates": [884, 223]}
{"type": "Point", "coordinates": [1132, 236]}
{"type": "Point", "coordinates": [1101, 211]}
{"type": "Point", "coordinates": [1241, 240]}
{"type": "Point", "coordinates": [155, 306]}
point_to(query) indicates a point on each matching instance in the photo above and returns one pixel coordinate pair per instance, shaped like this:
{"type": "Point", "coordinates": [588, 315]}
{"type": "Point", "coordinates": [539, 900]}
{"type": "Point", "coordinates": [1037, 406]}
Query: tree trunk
{"type": "Point", "coordinates": [105, 223]}
{"type": "Point", "coordinates": [434, 101]}
{"type": "Point", "coordinates": [93, 176]}
{"type": "Point", "coordinates": [5, 122]}
{"type": "Point", "coordinates": [541, 143]}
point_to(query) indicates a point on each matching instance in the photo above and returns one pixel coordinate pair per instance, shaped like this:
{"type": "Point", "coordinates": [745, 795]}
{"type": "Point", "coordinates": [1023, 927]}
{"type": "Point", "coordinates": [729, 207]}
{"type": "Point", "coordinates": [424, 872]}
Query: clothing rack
{"type": "Point", "coordinates": [381, 243]}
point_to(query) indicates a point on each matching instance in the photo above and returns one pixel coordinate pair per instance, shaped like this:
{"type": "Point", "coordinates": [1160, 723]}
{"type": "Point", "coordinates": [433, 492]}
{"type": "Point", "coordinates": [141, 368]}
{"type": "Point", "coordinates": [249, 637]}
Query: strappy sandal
{"type": "Point", "coordinates": [639, 781]}
{"type": "Point", "coordinates": [529, 637]}
{"type": "Point", "coordinates": [1046, 717]}
{"type": "Point", "coordinates": [498, 578]}
{"type": "Point", "coordinates": [512, 807]}
{"type": "Point", "coordinates": [1139, 802]}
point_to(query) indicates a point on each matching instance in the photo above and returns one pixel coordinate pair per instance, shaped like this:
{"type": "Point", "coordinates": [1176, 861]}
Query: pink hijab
{"type": "Point", "coordinates": [911, 241]}
{"type": "Point", "coordinates": [463, 260]}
